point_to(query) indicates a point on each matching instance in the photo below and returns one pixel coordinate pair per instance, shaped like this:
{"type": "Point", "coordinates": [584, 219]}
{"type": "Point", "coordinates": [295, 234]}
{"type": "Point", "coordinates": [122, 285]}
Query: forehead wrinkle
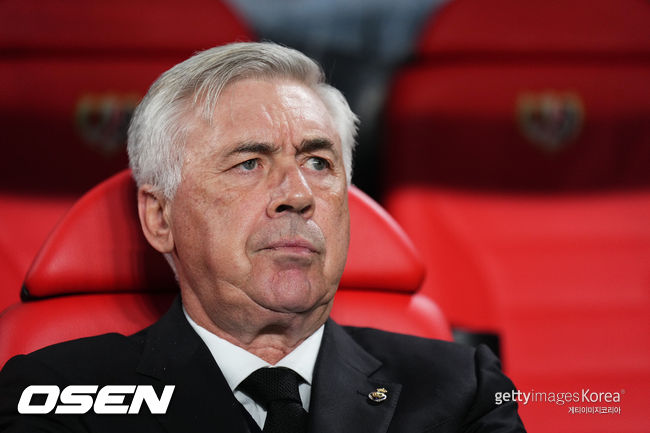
{"type": "Point", "coordinates": [236, 111]}
{"type": "Point", "coordinates": [271, 123]}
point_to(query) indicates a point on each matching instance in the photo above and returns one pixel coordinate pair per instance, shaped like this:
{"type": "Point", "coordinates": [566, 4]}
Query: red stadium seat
{"type": "Point", "coordinates": [26, 222]}
{"type": "Point", "coordinates": [503, 104]}
{"type": "Point", "coordinates": [96, 273]}
{"type": "Point", "coordinates": [70, 76]}
{"type": "Point", "coordinates": [564, 280]}
{"type": "Point", "coordinates": [532, 95]}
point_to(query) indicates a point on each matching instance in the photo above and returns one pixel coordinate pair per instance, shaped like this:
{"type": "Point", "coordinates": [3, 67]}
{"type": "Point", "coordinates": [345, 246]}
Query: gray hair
{"type": "Point", "coordinates": [157, 132]}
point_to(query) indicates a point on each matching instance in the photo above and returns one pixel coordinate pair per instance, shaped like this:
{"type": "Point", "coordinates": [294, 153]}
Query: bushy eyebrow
{"type": "Point", "coordinates": [254, 147]}
{"type": "Point", "coordinates": [306, 146]}
{"type": "Point", "coordinates": [314, 144]}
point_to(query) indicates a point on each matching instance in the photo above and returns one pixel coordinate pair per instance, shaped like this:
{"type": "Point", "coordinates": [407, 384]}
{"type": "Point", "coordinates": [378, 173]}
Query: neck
{"type": "Point", "coordinates": [268, 335]}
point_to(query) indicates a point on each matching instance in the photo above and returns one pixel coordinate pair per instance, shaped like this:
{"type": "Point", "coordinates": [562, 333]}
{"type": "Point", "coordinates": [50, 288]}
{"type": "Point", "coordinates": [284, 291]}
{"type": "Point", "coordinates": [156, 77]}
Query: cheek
{"type": "Point", "coordinates": [336, 227]}
{"type": "Point", "coordinates": [228, 223]}
{"type": "Point", "coordinates": [210, 225]}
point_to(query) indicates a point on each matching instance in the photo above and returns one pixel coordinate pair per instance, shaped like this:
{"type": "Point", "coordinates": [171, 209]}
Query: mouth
{"type": "Point", "coordinates": [292, 246]}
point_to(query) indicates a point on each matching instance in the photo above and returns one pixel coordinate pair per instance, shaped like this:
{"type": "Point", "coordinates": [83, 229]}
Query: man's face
{"type": "Point", "coordinates": [260, 220]}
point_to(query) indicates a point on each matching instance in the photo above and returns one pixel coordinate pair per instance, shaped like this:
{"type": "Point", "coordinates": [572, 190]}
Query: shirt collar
{"type": "Point", "coordinates": [237, 364]}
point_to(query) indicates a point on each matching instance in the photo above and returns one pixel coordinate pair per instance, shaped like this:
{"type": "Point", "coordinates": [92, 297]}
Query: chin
{"type": "Point", "coordinates": [291, 295]}
{"type": "Point", "coordinates": [288, 303]}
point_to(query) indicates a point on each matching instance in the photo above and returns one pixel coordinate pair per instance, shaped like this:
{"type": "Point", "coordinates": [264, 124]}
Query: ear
{"type": "Point", "coordinates": [154, 211]}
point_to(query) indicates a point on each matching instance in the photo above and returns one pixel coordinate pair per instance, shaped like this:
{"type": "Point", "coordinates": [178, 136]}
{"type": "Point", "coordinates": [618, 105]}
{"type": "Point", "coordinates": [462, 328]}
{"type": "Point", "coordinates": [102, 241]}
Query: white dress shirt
{"type": "Point", "coordinates": [237, 364]}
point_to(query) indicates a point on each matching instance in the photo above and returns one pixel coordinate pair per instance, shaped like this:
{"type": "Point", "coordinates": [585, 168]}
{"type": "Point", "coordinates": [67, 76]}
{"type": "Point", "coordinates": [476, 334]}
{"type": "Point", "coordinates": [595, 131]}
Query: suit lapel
{"type": "Point", "coordinates": [202, 400]}
{"type": "Point", "coordinates": [344, 376]}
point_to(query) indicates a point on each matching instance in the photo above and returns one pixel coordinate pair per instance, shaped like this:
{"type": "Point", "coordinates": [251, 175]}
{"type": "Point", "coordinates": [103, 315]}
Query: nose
{"type": "Point", "coordinates": [292, 194]}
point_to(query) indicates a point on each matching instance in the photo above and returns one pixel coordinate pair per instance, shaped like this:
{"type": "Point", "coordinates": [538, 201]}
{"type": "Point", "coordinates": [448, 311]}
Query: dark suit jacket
{"type": "Point", "coordinates": [433, 386]}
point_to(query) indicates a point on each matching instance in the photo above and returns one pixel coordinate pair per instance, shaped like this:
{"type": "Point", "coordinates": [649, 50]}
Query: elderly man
{"type": "Point", "coordinates": [242, 156]}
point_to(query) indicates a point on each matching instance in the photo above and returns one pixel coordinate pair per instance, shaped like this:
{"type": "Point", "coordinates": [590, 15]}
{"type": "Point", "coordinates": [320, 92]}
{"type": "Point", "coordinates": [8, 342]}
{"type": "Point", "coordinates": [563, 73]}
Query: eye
{"type": "Point", "coordinates": [249, 165]}
{"type": "Point", "coordinates": [318, 164]}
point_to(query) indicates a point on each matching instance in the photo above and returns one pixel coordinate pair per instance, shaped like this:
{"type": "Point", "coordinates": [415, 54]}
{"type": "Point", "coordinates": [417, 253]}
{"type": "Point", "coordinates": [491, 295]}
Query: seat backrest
{"type": "Point", "coordinates": [563, 280]}
{"type": "Point", "coordinates": [70, 75]}
{"type": "Point", "coordinates": [26, 221]}
{"type": "Point", "coordinates": [96, 273]}
{"type": "Point", "coordinates": [525, 96]}
{"type": "Point", "coordinates": [505, 102]}
{"type": "Point", "coordinates": [73, 72]}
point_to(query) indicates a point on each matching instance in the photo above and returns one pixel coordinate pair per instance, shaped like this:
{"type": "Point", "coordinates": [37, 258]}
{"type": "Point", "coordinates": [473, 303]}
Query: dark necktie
{"type": "Point", "coordinates": [276, 390]}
